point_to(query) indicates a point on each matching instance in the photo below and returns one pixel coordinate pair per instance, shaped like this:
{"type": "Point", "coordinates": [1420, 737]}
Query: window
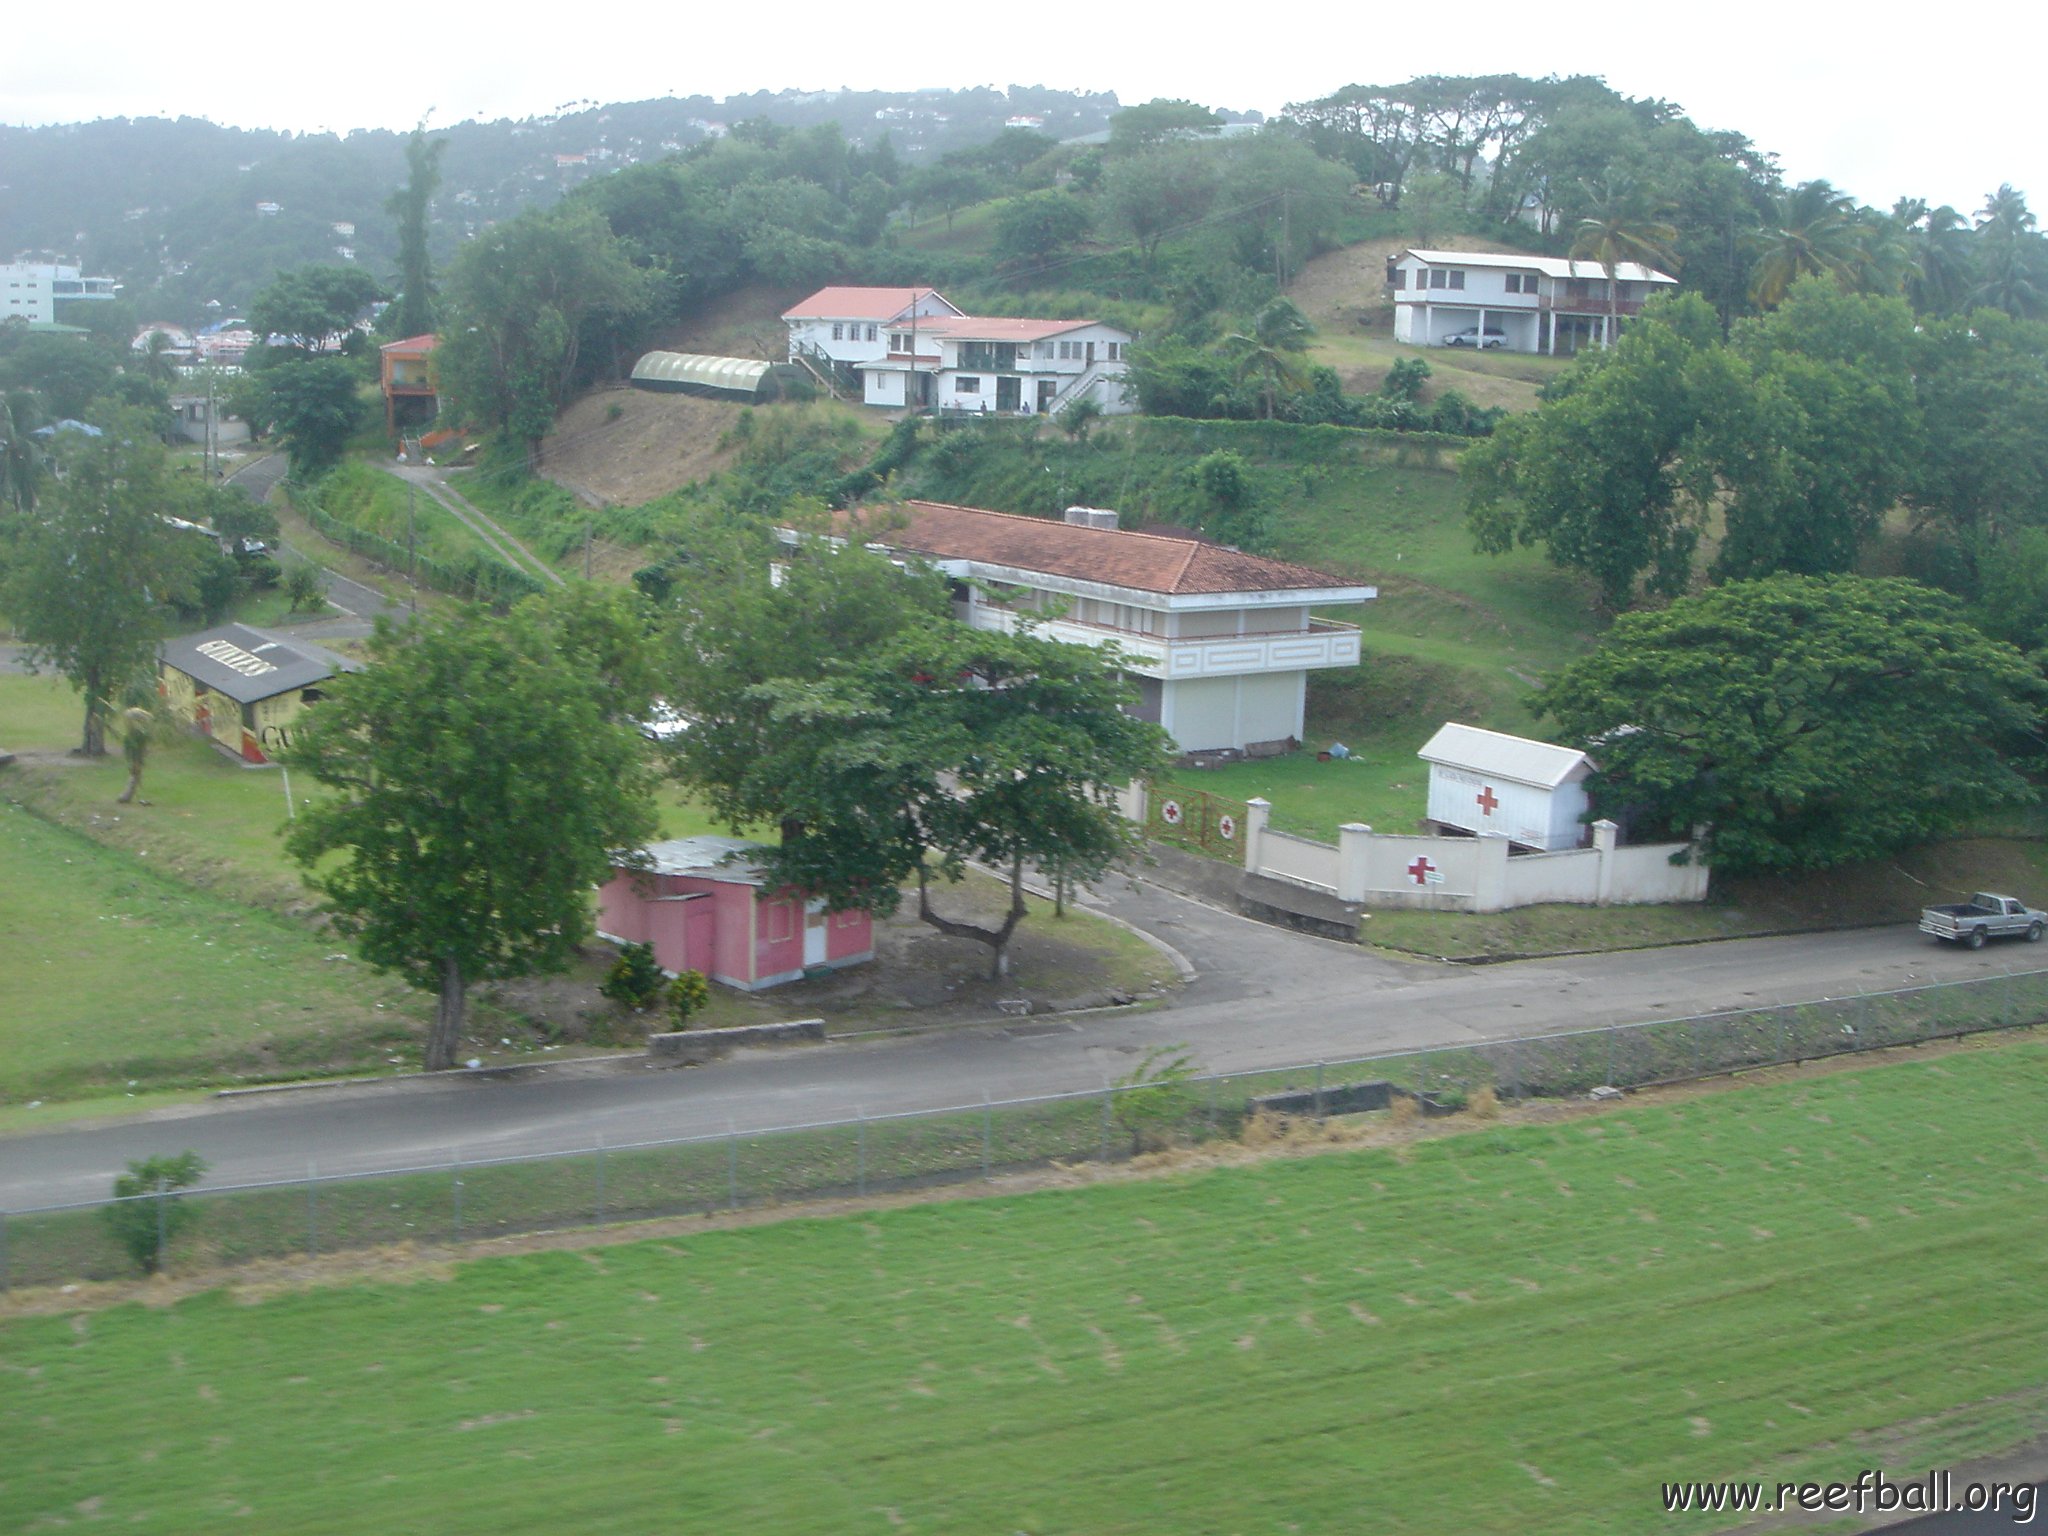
{"type": "Point", "coordinates": [1045, 349]}
{"type": "Point", "coordinates": [1115, 350]}
{"type": "Point", "coordinates": [781, 924]}
{"type": "Point", "coordinates": [838, 330]}
{"type": "Point", "coordinates": [1514, 282]}
{"type": "Point", "coordinates": [1399, 278]}
{"type": "Point", "coordinates": [1457, 280]}
{"type": "Point", "coordinates": [1439, 278]}
{"type": "Point", "coordinates": [967, 386]}
{"type": "Point", "coordinates": [871, 333]}
{"type": "Point", "coordinates": [898, 342]}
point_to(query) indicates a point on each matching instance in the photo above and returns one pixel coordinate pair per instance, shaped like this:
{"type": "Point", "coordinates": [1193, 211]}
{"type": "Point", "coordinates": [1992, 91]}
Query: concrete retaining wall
{"type": "Point", "coordinates": [693, 1047]}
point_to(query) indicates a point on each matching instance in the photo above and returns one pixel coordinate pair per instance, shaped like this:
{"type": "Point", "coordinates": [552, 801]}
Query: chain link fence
{"type": "Point", "coordinates": [459, 1200]}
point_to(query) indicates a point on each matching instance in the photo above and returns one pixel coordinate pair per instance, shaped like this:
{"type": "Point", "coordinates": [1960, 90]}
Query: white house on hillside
{"type": "Point", "coordinates": [910, 347]}
{"type": "Point", "coordinates": [1519, 303]}
{"type": "Point", "coordinates": [1219, 642]}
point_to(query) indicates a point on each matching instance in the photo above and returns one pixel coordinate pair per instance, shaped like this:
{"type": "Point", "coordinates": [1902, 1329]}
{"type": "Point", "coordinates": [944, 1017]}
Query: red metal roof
{"type": "Point", "coordinates": [984, 328]}
{"type": "Point", "coordinates": [860, 303]}
{"type": "Point", "coordinates": [1145, 562]}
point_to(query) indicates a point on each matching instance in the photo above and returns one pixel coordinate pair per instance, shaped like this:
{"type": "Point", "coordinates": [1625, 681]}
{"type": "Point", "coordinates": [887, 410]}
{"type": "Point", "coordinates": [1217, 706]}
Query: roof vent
{"type": "Point", "coordinates": [1091, 517]}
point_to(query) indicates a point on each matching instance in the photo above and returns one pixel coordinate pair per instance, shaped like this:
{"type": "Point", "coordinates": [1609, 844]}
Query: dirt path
{"type": "Point", "coordinates": [504, 545]}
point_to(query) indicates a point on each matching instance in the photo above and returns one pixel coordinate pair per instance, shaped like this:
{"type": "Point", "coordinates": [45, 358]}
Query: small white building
{"type": "Point", "coordinates": [1494, 785]}
{"type": "Point", "coordinates": [1218, 642]}
{"type": "Point", "coordinates": [1515, 303]}
{"type": "Point", "coordinates": [912, 348]}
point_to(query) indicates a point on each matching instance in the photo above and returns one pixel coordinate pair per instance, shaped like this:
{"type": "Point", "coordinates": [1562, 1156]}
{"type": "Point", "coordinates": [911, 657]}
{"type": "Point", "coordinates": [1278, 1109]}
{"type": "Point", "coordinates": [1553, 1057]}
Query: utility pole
{"type": "Point", "coordinates": [412, 561]}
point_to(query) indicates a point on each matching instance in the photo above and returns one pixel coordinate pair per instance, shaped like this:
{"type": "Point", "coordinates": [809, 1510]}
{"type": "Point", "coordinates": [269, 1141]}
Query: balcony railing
{"type": "Point", "coordinates": [1588, 304]}
{"type": "Point", "coordinates": [1322, 643]}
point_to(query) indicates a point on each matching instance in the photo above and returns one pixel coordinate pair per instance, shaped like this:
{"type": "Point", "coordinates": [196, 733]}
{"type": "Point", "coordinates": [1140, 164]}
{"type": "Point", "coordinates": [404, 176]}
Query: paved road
{"type": "Point", "coordinates": [1264, 997]}
{"type": "Point", "coordinates": [356, 606]}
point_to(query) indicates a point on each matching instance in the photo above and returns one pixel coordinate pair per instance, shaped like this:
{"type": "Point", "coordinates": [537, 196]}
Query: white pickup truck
{"type": "Point", "coordinates": [1984, 916]}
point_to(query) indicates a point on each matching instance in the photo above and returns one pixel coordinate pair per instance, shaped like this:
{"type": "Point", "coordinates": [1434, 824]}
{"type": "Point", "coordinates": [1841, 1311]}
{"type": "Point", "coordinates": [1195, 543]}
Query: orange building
{"type": "Point", "coordinates": [407, 375]}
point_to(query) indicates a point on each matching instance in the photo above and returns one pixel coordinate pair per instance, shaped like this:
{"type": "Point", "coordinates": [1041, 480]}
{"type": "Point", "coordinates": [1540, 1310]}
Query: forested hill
{"type": "Point", "coordinates": [172, 207]}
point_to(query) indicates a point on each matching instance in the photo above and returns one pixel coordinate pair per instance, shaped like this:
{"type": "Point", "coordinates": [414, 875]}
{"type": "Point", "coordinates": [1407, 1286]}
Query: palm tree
{"type": "Point", "coordinates": [157, 363]}
{"type": "Point", "coordinates": [2012, 258]}
{"type": "Point", "coordinates": [1622, 228]}
{"type": "Point", "coordinates": [1813, 230]}
{"type": "Point", "coordinates": [1280, 333]}
{"type": "Point", "coordinates": [1940, 276]}
{"type": "Point", "coordinates": [21, 457]}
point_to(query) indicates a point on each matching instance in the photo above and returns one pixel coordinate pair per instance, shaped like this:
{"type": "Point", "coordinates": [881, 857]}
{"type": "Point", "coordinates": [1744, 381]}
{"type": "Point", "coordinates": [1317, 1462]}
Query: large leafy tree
{"type": "Point", "coordinates": [522, 300]}
{"type": "Point", "coordinates": [891, 744]}
{"type": "Point", "coordinates": [1153, 192]}
{"type": "Point", "coordinates": [480, 781]}
{"type": "Point", "coordinates": [315, 407]}
{"type": "Point", "coordinates": [311, 310]}
{"type": "Point", "coordinates": [1982, 382]}
{"type": "Point", "coordinates": [1604, 476]}
{"type": "Point", "coordinates": [1802, 721]}
{"type": "Point", "coordinates": [91, 572]}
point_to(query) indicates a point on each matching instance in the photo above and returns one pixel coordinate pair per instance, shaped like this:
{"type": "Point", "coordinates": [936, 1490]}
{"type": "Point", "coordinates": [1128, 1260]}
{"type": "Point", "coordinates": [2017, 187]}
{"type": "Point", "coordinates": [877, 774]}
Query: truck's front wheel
{"type": "Point", "coordinates": [1976, 938]}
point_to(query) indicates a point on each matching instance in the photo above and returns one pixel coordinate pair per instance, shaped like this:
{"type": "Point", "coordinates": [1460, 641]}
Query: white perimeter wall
{"type": "Point", "coordinates": [1470, 874]}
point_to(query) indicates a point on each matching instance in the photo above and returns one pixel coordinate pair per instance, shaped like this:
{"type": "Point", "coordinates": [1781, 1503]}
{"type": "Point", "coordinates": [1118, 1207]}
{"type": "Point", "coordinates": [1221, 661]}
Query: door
{"type": "Point", "coordinates": [1091, 354]}
{"type": "Point", "coordinates": [1009, 393]}
{"type": "Point", "coordinates": [1047, 389]}
{"type": "Point", "coordinates": [814, 934]}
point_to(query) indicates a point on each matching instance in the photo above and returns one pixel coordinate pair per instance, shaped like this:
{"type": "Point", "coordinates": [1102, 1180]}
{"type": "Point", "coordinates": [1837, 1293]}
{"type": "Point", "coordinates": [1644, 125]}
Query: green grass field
{"type": "Point", "coordinates": [1518, 1329]}
{"type": "Point", "coordinates": [118, 976]}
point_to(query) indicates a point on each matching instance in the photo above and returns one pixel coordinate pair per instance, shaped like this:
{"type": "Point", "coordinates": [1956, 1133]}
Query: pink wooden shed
{"type": "Point", "coordinates": [705, 905]}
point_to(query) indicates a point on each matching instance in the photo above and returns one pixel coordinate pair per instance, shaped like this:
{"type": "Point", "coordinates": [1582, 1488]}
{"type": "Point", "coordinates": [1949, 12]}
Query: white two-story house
{"type": "Point", "coordinates": [924, 353]}
{"type": "Point", "coordinates": [1518, 303]}
{"type": "Point", "coordinates": [1219, 642]}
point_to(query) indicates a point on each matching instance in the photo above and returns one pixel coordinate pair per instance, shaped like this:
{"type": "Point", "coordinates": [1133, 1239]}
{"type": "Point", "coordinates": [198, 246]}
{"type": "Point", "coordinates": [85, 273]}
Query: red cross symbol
{"type": "Point", "coordinates": [1421, 870]}
{"type": "Point", "coordinates": [1488, 801]}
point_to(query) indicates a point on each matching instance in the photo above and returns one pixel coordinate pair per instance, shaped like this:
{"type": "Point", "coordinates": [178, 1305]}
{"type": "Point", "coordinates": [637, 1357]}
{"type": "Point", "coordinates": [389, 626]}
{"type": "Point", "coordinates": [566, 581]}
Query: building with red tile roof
{"type": "Point", "coordinates": [1218, 642]}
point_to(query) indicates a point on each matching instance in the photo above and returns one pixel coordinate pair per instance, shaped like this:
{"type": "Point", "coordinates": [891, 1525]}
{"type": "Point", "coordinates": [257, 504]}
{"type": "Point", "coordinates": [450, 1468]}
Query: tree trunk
{"type": "Point", "coordinates": [94, 743]}
{"type": "Point", "coordinates": [446, 1034]}
{"type": "Point", "coordinates": [997, 939]}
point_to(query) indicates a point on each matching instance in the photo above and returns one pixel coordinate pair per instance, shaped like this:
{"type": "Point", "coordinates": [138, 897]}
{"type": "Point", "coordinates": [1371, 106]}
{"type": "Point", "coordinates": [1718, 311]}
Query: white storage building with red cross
{"type": "Point", "coordinates": [1494, 785]}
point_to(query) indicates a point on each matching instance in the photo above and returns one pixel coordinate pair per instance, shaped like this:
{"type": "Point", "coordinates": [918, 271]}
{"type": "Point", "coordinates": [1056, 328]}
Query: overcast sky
{"type": "Point", "coordinates": [1881, 100]}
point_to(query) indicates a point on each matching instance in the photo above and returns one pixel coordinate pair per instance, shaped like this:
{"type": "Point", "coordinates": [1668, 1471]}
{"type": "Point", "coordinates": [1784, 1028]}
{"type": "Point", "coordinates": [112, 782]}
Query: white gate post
{"type": "Point", "coordinates": [1603, 847]}
{"type": "Point", "coordinates": [1354, 847]}
{"type": "Point", "coordinates": [1257, 813]}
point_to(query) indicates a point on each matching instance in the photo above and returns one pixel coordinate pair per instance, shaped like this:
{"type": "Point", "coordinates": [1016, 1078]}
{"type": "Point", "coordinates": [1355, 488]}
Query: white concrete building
{"type": "Point", "coordinates": [1219, 642]}
{"type": "Point", "coordinates": [1530, 793]}
{"type": "Point", "coordinates": [32, 290]}
{"type": "Point", "coordinates": [910, 347]}
{"type": "Point", "coordinates": [1517, 303]}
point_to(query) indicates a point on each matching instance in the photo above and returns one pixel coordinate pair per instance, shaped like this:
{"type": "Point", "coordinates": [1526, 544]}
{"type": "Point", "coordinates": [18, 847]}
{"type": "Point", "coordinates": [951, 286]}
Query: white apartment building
{"type": "Point", "coordinates": [33, 289]}
{"type": "Point", "coordinates": [1516, 303]}
{"type": "Point", "coordinates": [1219, 642]}
{"type": "Point", "coordinates": [911, 347]}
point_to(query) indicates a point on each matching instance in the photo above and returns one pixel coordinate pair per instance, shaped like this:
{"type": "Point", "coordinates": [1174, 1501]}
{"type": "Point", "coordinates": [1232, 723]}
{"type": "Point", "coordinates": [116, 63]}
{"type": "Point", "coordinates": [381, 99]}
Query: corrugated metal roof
{"type": "Point", "coordinates": [1549, 266]}
{"type": "Point", "coordinates": [695, 371]}
{"type": "Point", "coordinates": [249, 664]}
{"type": "Point", "coordinates": [709, 855]}
{"type": "Point", "coordinates": [1538, 763]}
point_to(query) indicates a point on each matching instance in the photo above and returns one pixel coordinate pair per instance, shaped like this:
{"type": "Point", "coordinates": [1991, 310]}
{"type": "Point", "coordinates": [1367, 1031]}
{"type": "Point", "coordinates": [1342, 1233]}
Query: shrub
{"type": "Point", "coordinates": [303, 587]}
{"type": "Point", "coordinates": [144, 1227]}
{"type": "Point", "coordinates": [1153, 1099]}
{"type": "Point", "coordinates": [635, 979]}
{"type": "Point", "coordinates": [688, 994]}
